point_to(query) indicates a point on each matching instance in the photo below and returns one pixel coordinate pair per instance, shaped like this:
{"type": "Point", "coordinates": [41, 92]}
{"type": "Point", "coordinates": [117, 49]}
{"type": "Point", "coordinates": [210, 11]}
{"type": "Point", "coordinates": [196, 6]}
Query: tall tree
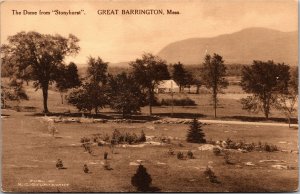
{"type": "Point", "coordinates": [125, 94]}
{"type": "Point", "coordinates": [148, 72]}
{"type": "Point", "coordinates": [264, 80]}
{"type": "Point", "coordinates": [68, 78]}
{"type": "Point", "coordinates": [93, 93]}
{"type": "Point", "coordinates": [42, 52]}
{"type": "Point", "coordinates": [179, 75]}
{"type": "Point", "coordinates": [286, 102]}
{"type": "Point", "coordinates": [213, 77]}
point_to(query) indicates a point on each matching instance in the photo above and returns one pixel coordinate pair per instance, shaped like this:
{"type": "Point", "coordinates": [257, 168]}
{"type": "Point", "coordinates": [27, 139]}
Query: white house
{"type": "Point", "coordinates": [167, 86]}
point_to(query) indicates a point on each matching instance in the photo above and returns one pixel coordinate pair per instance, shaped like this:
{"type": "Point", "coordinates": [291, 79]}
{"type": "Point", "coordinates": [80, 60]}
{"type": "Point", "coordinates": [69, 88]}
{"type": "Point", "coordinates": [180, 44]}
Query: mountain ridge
{"type": "Point", "coordinates": [242, 47]}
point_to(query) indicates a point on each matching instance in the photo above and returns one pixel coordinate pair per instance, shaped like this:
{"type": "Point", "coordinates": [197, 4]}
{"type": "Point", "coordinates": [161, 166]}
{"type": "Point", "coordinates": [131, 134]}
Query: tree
{"type": "Point", "coordinates": [264, 80]}
{"type": "Point", "coordinates": [148, 71]}
{"type": "Point", "coordinates": [287, 102]}
{"type": "Point", "coordinates": [141, 179]}
{"type": "Point", "coordinates": [42, 52]}
{"type": "Point", "coordinates": [179, 75]}
{"type": "Point", "coordinates": [68, 78]}
{"type": "Point", "coordinates": [125, 94]}
{"type": "Point", "coordinates": [195, 133]}
{"type": "Point", "coordinates": [213, 77]}
{"type": "Point", "coordinates": [13, 92]}
{"type": "Point", "coordinates": [93, 93]}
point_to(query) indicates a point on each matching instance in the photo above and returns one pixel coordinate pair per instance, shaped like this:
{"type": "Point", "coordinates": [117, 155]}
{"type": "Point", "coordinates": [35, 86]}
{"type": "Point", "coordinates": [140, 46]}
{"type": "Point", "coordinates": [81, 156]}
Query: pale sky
{"type": "Point", "coordinates": [119, 38]}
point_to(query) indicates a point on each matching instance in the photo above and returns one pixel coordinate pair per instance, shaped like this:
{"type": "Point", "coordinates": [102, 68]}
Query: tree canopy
{"type": "Point", "coordinates": [213, 76]}
{"type": "Point", "coordinates": [148, 71]}
{"type": "Point", "coordinates": [43, 53]}
{"type": "Point", "coordinates": [264, 80]}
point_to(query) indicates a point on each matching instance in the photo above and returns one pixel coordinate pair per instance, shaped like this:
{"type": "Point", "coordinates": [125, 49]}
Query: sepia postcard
{"type": "Point", "coordinates": [149, 96]}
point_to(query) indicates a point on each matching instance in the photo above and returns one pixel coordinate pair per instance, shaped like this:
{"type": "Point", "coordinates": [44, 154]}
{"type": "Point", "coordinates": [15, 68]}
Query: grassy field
{"type": "Point", "coordinates": [30, 152]}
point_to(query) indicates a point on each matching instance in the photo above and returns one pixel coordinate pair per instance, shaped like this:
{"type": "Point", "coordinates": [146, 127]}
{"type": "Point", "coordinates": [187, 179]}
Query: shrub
{"type": "Point", "coordinates": [141, 179]}
{"type": "Point", "coordinates": [190, 154]}
{"type": "Point", "coordinates": [171, 151]}
{"type": "Point", "coordinates": [195, 133]}
{"type": "Point", "coordinates": [59, 164]}
{"type": "Point", "coordinates": [85, 169]}
{"type": "Point", "coordinates": [209, 173]}
{"type": "Point", "coordinates": [142, 137]}
{"type": "Point", "coordinates": [227, 158]}
{"type": "Point", "coordinates": [178, 102]}
{"type": "Point", "coordinates": [180, 156]}
{"type": "Point", "coordinates": [217, 151]}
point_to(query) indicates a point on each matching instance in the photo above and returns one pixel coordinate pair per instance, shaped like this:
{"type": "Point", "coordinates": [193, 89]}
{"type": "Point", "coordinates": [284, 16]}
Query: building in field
{"type": "Point", "coordinates": [167, 86]}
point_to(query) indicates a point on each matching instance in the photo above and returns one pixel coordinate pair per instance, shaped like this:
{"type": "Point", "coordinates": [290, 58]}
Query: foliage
{"type": "Point", "coordinates": [67, 78]}
{"type": "Point", "coordinates": [195, 133]}
{"type": "Point", "coordinates": [171, 151]}
{"type": "Point", "coordinates": [125, 94]}
{"type": "Point", "coordinates": [85, 168]}
{"type": "Point", "coordinates": [87, 97]}
{"type": "Point", "coordinates": [213, 76]}
{"type": "Point", "coordinates": [141, 179]}
{"type": "Point", "coordinates": [178, 102]}
{"type": "Point", "coordinates": [147, 72]}
{"type": "Point", "coordinates": [209, 173]}
{"type": "Point", "coordinates": [287, 102]}
{"type": "Point", "coordinates": [59, 164]}
{"type": "Point", "coordinates": [125, 137]}
{"type": "Point", "coordinates": [264, 80]}
{"type": "Point", "coordinates": [217, 151]}
{"type": "Point", "coordinates": [181, 76]}
{"type": "Point", "coordinates": [180, 156]}
{"type": "Point", "coordinates": [13, 92]}
{"type": "Point", "coordinates": [41, 53]}
{"type": "Point", "coordinates": [190, 154]}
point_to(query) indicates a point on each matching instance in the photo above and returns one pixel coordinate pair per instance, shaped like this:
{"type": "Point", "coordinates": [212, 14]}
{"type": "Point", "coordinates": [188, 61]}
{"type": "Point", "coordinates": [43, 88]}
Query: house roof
{"type": "Point", "coordinates": [167, 84]}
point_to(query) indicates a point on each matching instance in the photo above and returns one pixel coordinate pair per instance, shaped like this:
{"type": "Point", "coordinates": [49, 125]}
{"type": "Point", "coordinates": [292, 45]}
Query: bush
{"type": "Point", "coordinates": [178, 102]}
{"type": "Point", "coordinates": [59, 164]}
{"type": "Point", "coordinates": [195, 133]}
{"type": "Point", "coordinates": [85, 169]}
{"type": "Point", "coordinates": [209, 173]}
{"type": "Point", "coordinates": [141, 179]}
{"type": "Point", "coordinates": [190, 154]}
{"type": "Point", "coordinates": [217, 151]}
{"type": "Point", "coordinates": [142, 137]}
{"type": "Point", "coordinates": [171, 151]}
{"type": "Point", "coordinates": [180, 156]}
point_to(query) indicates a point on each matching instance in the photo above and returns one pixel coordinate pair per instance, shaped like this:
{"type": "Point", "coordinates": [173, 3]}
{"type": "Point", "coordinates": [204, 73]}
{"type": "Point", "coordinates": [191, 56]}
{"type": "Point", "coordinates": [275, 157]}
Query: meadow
{"type": "Point", "coordinates": [30, 152]}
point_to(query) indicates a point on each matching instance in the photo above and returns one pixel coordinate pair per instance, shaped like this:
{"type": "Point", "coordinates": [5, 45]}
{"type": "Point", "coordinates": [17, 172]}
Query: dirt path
{"type": "Point", "coordinates": [247, 123]}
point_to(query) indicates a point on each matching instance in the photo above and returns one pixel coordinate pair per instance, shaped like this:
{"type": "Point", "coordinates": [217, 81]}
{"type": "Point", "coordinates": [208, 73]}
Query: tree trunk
{"type": "Point", "coordinates": [45, 97]}
{"type": "Point", "coordinates": [96, 110]}
{"type": "Point", "coordinates": [215, 103]}
{"type": "Point", "coordinates": [62, 98]}
{"type": "Point", "coordinates": [289, 120]}
{"type": "Point", "coordinates": [198, 89]}
{"type": "Point", "coordinates": [150, 100]}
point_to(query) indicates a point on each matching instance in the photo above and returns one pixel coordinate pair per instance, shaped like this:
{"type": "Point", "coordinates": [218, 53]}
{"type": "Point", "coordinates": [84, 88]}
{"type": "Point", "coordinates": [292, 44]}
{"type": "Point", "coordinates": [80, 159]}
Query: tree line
{"type": "Point", "coordinates": [40, 58]}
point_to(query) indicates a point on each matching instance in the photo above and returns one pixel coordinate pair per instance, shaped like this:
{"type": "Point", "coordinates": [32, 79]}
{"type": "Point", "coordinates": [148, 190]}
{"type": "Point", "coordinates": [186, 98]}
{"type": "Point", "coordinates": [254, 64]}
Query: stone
{"type": "Point", "coordinates": [280, 167]}
{"type": "Point", "coordinates": [133, 164]}
{"type": "Point", "coordinates": [249, 164]}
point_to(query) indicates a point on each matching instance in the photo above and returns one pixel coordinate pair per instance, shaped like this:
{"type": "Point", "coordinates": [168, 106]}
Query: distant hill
{"type": "Point", "coordinates": [240, 47]}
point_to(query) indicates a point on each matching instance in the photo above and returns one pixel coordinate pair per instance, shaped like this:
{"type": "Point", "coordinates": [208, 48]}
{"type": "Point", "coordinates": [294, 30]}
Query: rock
{"type": "Point", "coordinates": [282, 142]}
{"type": "Point", "coordinates": [161, 163]}
{"type": "Point", "coordinates": [133, 164]}
{"type": "Point", "coordinates": [280, 167]}
{"type": "Point", "coordinates": [139, 161]}
{"type": "Point", "coordinates": [272, 161]}
{"type": "Point", "coordinates": [100, 120]}
{"type": "Point", "coordinates": [208, 147]}
{"type": "Point", "coordinates": [154, 143]}
{"type": "Point", "coordinates": [249, 164]}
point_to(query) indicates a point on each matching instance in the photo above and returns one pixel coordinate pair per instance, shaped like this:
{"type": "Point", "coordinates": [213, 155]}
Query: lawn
{"type": "Point", "coordinates": [30, 154]}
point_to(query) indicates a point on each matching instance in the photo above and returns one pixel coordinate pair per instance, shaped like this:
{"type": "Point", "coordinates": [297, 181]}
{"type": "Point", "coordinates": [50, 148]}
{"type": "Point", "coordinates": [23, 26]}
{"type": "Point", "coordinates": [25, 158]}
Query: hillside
{"type": "Point", "coordinates": [239, 47]}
